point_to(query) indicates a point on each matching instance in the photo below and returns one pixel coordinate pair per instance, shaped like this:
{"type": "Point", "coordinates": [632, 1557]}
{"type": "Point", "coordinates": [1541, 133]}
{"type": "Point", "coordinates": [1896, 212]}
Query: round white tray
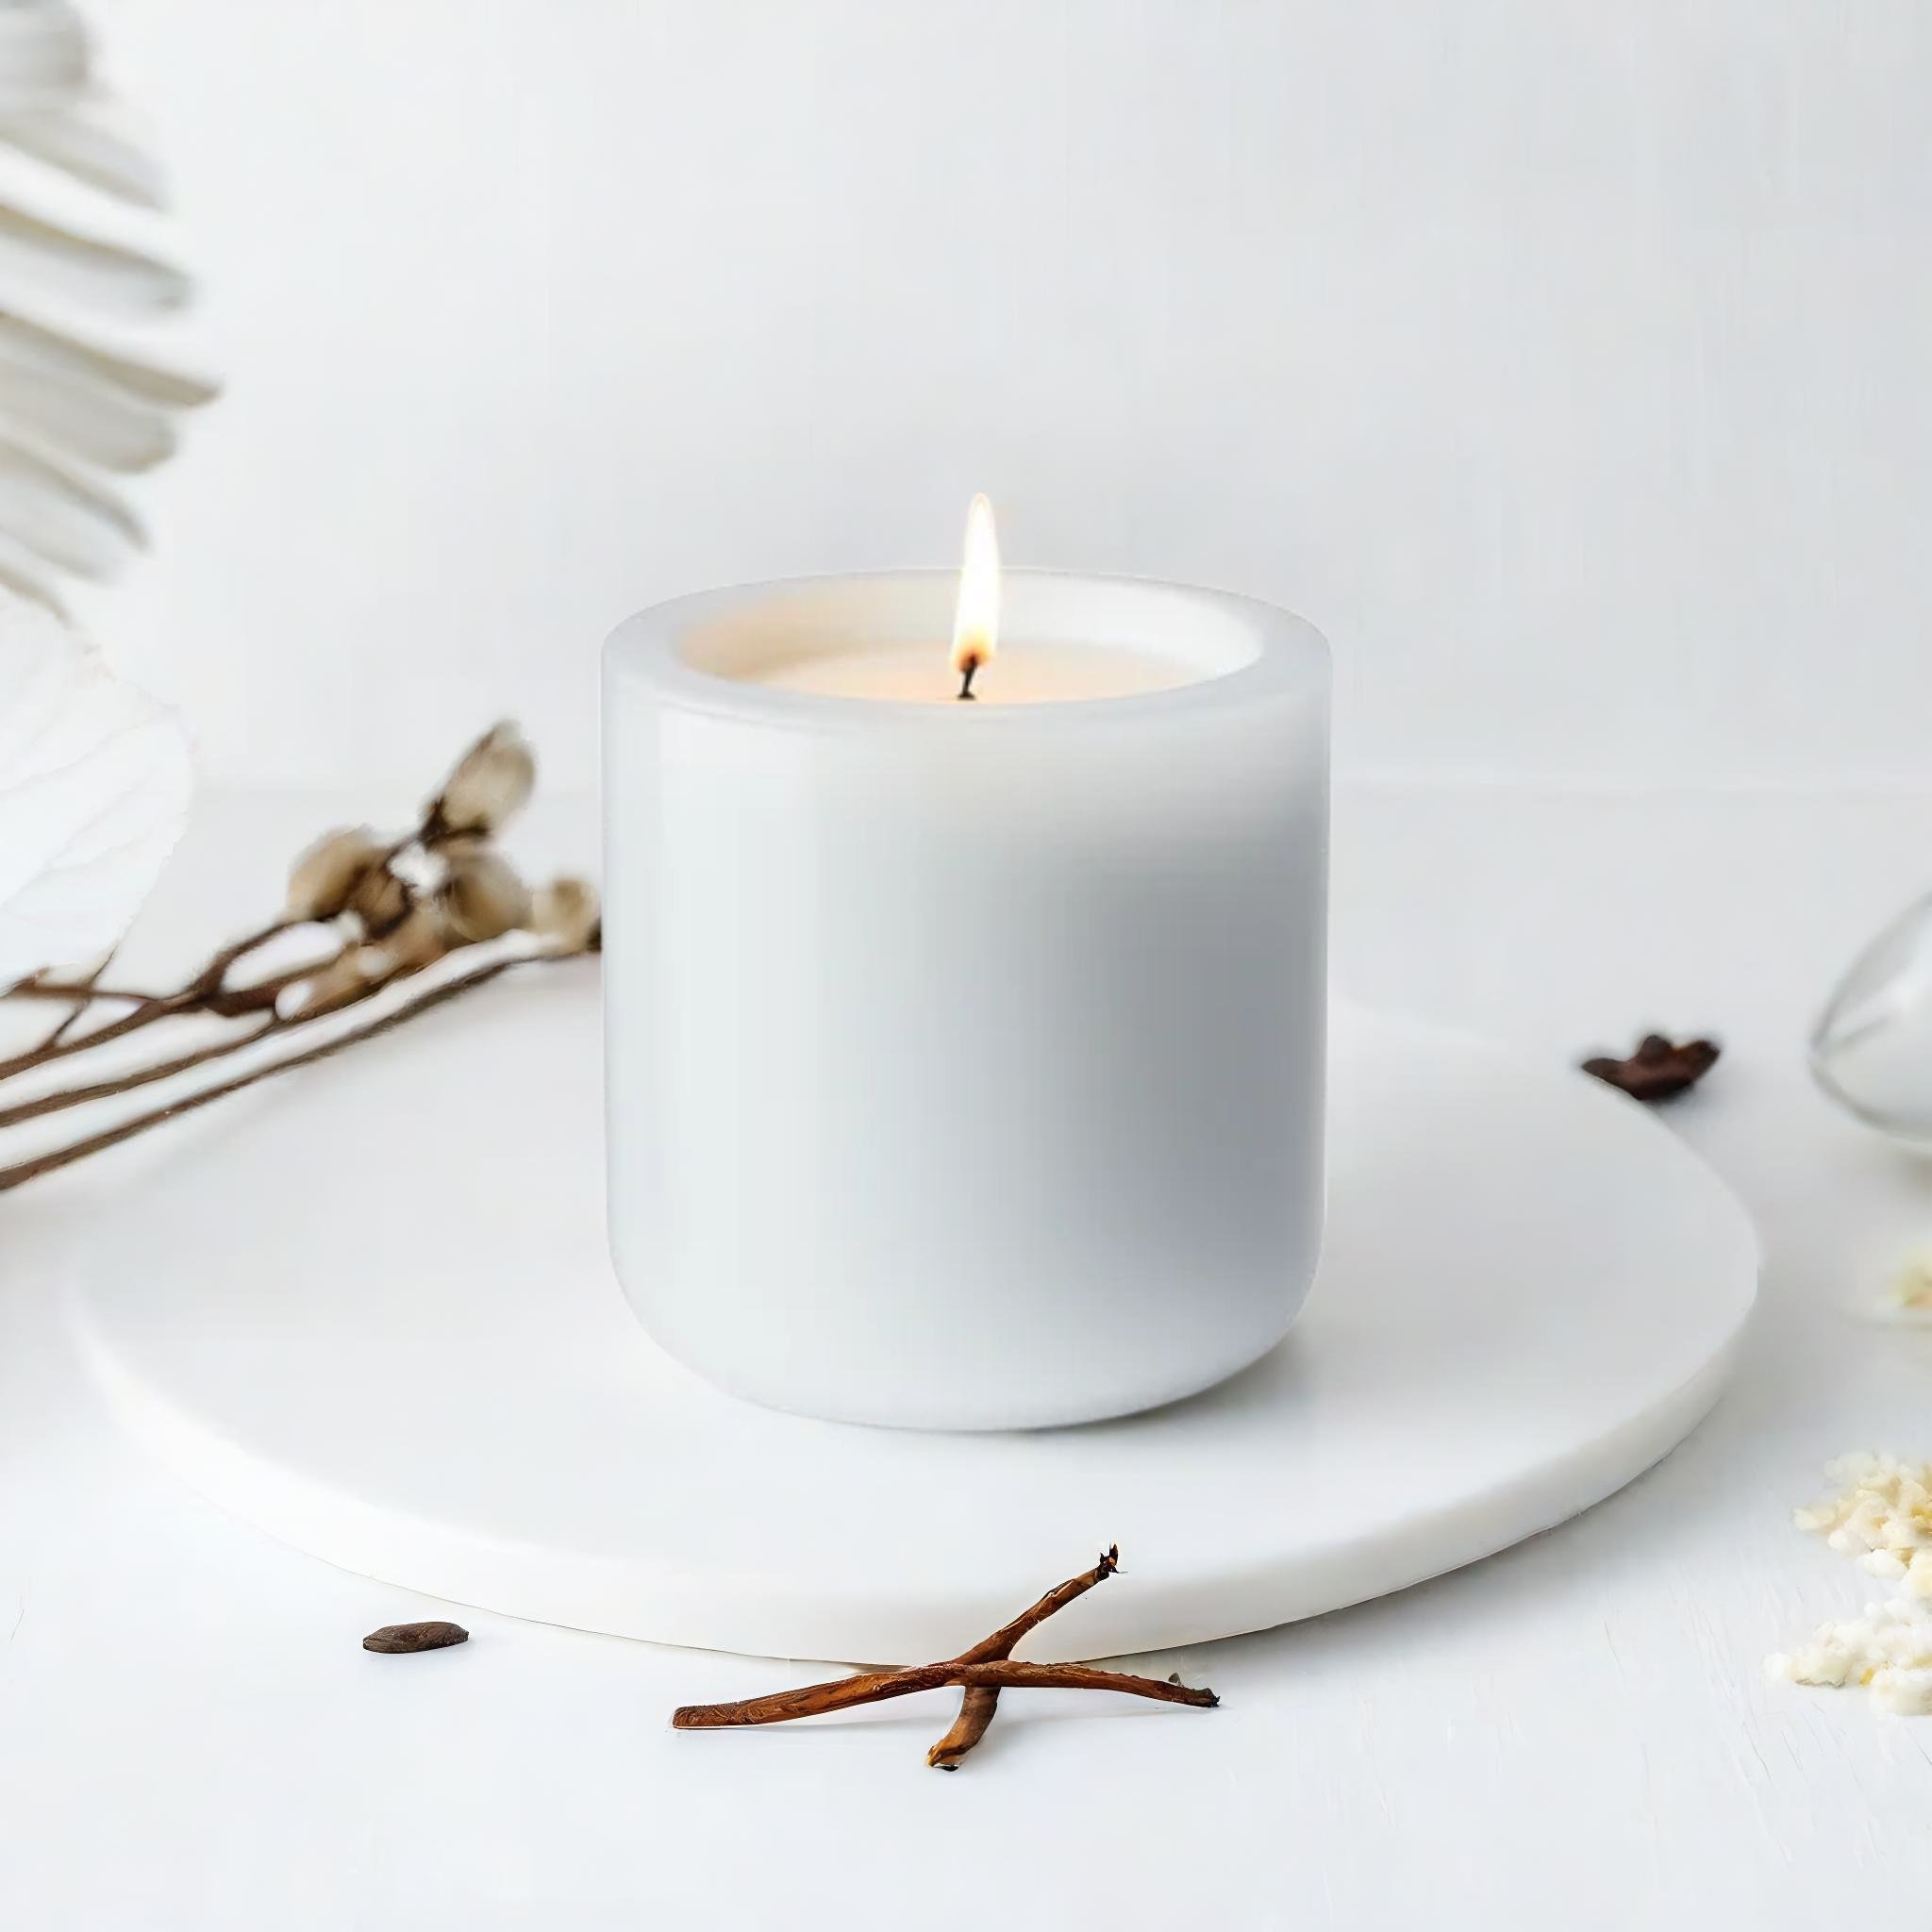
{"type": "Point", "coordinates": [369, 1310]}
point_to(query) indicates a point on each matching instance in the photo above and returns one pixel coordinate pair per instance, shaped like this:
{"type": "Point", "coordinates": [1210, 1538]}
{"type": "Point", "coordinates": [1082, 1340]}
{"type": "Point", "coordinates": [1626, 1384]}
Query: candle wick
{"type": "Point", "coordinates": [966, 671]}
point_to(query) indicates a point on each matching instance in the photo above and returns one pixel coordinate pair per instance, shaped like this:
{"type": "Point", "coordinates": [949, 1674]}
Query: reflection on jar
{"type": "Point", "coordinates": [1871, 1047]}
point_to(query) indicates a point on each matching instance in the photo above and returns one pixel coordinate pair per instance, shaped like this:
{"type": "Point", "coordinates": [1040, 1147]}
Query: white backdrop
{"type": "Point", "coordinates": [1566, 363]}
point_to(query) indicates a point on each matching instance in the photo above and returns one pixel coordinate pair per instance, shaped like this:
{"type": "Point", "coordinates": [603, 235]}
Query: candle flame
{"type": "Point", "coordinates": [976, 623]}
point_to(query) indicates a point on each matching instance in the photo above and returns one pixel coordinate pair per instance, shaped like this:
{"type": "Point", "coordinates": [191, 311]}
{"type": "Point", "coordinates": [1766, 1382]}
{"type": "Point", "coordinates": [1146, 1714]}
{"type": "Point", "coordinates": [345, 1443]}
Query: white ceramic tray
{"type": "Point", "coordinates": [373, 1314]}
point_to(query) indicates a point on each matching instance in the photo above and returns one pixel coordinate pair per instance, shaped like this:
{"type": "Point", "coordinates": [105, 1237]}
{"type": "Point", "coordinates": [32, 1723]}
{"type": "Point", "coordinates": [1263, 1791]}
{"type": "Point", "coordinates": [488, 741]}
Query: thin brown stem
{"type": "Point", "coordinates": [983, 1670]}
{"type": "Point", "coordinates": [873, 1687]}
{"type": "Point", "coordinates": [977, 1705]}
{"type": "Point", "coordinates": [139, 1076]}
{"type": "Point", "coordinates": [1003, 1639]}
{"type": "Point", "coordinates": [230, 1003]}
{"type": "Point", "coordinates": [79, 993]}
{"type": "Point", "coordinates": [24, 1171]}
{"type": "Point", "coordinates": [980, 1702]}
{"type": "Point", "coordinates": [205, 992]}
{"type": "Point", "coordinates": [210, 977]}
{"type": "Point", "coordinates": [98, 1035]}
{"type": "Point", "coordinates": [84, 997]}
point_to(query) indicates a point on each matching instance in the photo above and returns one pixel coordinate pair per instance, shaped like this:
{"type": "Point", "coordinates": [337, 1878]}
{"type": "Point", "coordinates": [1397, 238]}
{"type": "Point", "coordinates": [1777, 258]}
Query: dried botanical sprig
{"type": "Point", "coordinates": [24, 1171]}
{"type": "Point", "coordinates": [983, 1670]}
{"type": "Point", "coordinates": [391, 908]}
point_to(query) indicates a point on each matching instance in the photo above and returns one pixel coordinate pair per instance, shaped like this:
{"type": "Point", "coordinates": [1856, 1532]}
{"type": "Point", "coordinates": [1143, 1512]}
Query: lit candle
{"type": "Point", "coordinates": [965, 1060]}
{"type": "Point", "coordinates": [880, 660]}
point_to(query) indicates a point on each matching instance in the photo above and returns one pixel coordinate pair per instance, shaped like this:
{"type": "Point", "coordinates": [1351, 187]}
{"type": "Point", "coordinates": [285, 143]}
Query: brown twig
{"type": "Point", "coordinates": [40, 1164]}
{"type": "Point", "coordinates": [201, 991]}
{"type": "Point", "coordinates": [232, 1002]}
{"type": "Point", "coordinates": [60, 1049]}
{"type": "Point", "coordinates": [977, 1705]}
{"type": "Point", "coordinates": [206, 992]}
{"type": "Point", "coordinates": [211, 976]}
{"type": "Point", "coordinates": [983, 1670]}
{"type": "Point", "coordinates": [873, 1687]}
{"type": "Point", "coordinates": [82, 995]}
{"type": "Point", "coordinates": [258, 997]}
{"type": "Point", "coordinates": [78, 992]}
{"type": "Point", "coordinates": [982, 1701]}
{"type": "Point", "coordinates": [140, 1077]}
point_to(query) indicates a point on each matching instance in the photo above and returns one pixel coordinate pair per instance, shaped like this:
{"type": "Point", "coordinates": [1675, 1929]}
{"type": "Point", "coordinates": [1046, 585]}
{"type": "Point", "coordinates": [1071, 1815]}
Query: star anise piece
{"type": "Point", "coordinates": [1659, 1069]}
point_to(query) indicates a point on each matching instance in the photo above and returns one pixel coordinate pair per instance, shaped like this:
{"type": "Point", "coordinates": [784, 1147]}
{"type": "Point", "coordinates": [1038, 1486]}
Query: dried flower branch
{"type": "Point", "coordinates": [391, 908]}
{"type": "Point", "coordinates": [983, 1670]}
{"type": "Point", "coordinates": [40, 1164]}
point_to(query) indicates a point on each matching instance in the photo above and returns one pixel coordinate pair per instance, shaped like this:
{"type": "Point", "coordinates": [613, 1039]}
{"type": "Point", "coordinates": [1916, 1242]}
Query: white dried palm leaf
{"type": "Point", "coordinates": [86, 284]}
{"type": "Point", "coordinates": [94, 793]}
{"type": "Point", "coordinates": [43, 53]}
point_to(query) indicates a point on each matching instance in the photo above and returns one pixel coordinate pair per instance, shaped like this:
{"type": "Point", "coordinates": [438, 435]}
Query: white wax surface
{"type": "Point", "coordinates": [1023, 672]}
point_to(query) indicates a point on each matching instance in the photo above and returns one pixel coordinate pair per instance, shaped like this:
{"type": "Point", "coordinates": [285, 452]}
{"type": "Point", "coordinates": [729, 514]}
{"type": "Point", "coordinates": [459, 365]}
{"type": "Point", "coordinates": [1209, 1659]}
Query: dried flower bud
{"type": "Point", "coordinates": [492, 780]}
{"type": "Point", "coordinates": [380, 901]}
{"type": "Point", "coordinates": [566, 913]}
{"type": "Point", "coordinates": [481, 897]}
{"type": "Point", "coordinates": [324, 877]}
{"type": "Point", "coordinates": [350, 977]}
{"type": "Point", "coordinates": [420, 940]}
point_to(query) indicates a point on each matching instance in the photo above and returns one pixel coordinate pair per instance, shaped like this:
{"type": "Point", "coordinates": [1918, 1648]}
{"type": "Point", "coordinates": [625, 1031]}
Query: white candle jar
{"type": "Point", "coordinates": [965, 1060]}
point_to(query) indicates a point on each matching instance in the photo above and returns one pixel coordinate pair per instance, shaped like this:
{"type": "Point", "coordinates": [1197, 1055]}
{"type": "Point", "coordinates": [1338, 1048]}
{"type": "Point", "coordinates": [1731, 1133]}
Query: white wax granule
{"type": "Point", "coordinates": [1889, 1648]}
{"type": "Point", "coordinates": [1882, 1515]}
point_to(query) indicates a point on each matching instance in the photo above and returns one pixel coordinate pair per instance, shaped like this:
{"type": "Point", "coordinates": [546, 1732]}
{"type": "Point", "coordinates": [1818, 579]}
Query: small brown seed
{"type": "Point", "coordinates": [400, 1639]}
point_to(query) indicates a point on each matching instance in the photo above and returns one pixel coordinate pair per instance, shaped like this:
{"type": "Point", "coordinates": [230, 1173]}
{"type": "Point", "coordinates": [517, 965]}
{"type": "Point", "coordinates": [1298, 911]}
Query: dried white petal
{"type": "Point", "coordinates": [94, 793]}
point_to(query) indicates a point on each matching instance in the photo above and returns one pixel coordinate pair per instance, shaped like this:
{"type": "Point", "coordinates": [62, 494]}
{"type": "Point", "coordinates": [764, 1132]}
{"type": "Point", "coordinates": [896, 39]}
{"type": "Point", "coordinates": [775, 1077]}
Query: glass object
{"type": "Point", "coordinates": [1871, 1047]}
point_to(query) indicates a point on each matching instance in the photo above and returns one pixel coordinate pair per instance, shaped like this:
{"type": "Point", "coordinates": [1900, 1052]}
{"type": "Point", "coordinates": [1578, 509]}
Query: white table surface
{"type": "Point", "coordinates": [1574, 1733]}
